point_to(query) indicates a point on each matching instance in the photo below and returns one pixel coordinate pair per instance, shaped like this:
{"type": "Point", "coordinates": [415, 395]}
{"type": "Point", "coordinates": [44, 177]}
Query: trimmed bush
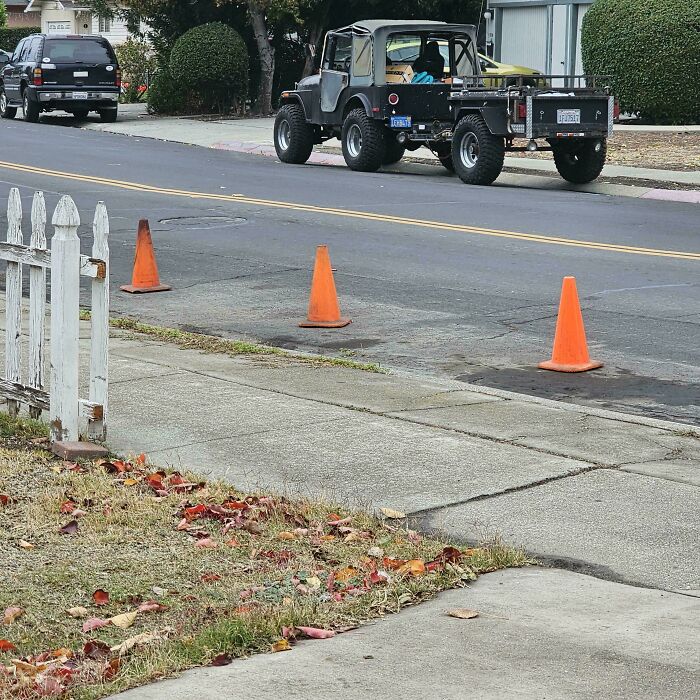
{"type": "Point", "coordinates": [652, 50]}
{"type": "Point", "coordinates": [3, 14]}
{"type": "Point", "coordinates": [211, 62]}
{"type": "Point", "coordinates": [11, 36]}
{"type": "Point", "coordinates": [165, 95]}
{"type": "Point", "coordinates": [138, 64]}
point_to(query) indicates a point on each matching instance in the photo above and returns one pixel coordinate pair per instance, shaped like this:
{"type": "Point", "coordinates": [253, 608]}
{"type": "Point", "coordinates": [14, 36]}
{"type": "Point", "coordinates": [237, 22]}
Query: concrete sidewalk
{"type": "Point", "coordinates": [255, 136]}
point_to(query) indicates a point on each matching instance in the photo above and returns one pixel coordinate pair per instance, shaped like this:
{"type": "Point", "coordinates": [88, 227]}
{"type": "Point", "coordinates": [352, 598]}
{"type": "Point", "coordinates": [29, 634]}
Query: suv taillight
{"type": "Point", "coordinates": [118, 77]}
{"type": "Point", "coordinates": [37, 77]}
{"type": "Point", "coordinates": [522, 110]}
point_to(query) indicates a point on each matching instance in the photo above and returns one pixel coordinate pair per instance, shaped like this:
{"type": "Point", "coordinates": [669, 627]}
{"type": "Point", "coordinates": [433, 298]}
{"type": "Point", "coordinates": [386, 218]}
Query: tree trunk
{"type": "Point", "coordinates": [317, 29]}
{"type": "Point", "coordinates": [266, 53]}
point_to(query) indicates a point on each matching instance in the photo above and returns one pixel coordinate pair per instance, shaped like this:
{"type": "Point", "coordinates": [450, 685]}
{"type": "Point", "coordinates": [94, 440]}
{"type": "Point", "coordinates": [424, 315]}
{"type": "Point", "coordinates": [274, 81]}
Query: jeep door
{"type": "Point", "coordinates": [335, 71]}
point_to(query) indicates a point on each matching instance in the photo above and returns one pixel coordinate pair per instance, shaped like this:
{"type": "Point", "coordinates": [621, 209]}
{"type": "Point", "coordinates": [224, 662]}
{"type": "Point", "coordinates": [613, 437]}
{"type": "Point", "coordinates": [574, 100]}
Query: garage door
{"type": "Point", "coordinates": [524, 33]}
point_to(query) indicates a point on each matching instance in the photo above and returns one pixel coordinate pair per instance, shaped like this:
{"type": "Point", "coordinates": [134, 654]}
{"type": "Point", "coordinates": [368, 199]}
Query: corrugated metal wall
{"type": "Point", "coordinates": [525, 31]}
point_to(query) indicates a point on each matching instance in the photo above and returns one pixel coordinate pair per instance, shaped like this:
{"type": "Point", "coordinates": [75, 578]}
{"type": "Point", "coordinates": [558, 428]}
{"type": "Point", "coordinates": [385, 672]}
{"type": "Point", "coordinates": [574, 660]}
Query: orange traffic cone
{"type": "Point", "coordinates": [145, 276]}
{"type": "Point", "coordinates": [570, 353]}
{"type": "Point", "coordinates": [324, 311]}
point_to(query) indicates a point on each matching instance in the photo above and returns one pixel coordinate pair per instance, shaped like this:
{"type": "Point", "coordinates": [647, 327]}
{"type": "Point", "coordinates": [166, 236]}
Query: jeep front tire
{"type": "Point", "coordinates": [477, 154]}
{"type": "Point", "coordinates": [294, 137]}
{"type": "Point", "coordinates": [362, 138]}
{"type": "Point", "coordinates": [393, 150]}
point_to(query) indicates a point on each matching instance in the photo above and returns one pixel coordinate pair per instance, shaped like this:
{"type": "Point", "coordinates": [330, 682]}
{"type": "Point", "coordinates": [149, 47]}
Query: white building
{"type": "Point", "coordinates": [541, 34]}
{"type": "Point", "coordinates": [68, 17]}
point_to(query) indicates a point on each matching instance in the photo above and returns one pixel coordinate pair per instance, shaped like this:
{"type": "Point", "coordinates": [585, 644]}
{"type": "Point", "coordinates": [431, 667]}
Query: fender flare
{"type": "Point", "coordinates": [494, 117]}
{"type": "Point", "coordinates": [293, 98]}
{"type": "Point", "coordinates": [352, 102]}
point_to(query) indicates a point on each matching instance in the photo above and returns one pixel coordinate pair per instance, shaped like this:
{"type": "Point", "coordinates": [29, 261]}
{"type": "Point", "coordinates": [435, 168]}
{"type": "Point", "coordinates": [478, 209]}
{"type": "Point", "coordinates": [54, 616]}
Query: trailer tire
{"type": "Point", "coordinates": [364, 145]}
{"type": "Point", "coordinates": [294, 136]}
{"type": "Point", "coordinates": [393, 150]}
{"type": "Point", "coordinates": [477, 154]}
{"type": "Point", "coordinates": [580, 161]}
{"type": "Point", "coordinates": [444, 153]}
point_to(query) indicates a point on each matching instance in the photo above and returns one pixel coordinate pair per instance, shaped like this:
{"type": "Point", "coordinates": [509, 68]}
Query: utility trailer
{"type": "Point", "coordinates": [366, 100]}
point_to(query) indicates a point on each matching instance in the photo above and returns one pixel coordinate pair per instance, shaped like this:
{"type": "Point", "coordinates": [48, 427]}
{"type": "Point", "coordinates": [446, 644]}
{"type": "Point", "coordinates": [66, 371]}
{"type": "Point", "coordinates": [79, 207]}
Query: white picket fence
{"type": "Point", "coordinates": [66, 265]}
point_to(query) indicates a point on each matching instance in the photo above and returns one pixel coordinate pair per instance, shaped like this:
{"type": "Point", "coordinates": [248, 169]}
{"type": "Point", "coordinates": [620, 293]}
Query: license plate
{"type": "Point", "coordinates": [400, 122]}
{"type": "Point", "coordinates": [568, 116]}
{"type": "Point", "coordinates": [80, 74]}
{"type": "Point", "coordinates": [80, 95]}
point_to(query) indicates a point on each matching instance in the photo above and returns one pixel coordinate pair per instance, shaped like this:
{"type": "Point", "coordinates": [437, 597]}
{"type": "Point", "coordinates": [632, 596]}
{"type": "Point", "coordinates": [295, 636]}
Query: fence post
{"type": "Point", "coordinates": [65, 322]}
{"type": "Point", "coordinates": [37, 301]}
{"type": "Point", "coordinates": [13, 299]}
{"type": "Point", "coordinates": [97, 429]}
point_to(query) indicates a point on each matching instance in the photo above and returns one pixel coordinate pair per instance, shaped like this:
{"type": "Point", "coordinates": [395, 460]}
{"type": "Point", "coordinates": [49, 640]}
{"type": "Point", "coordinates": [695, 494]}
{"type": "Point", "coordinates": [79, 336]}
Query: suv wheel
{"type": "Point", "coordinates": [477, 154]}
{"type": "Point", "coordinates": [580, 161]}
{"type": "Point", "coordinates": [30, 108]}
{"type": "Point", "coordinates": [6, 112]}
{"type": "Point", "coordinates": [80, 113]}
{"type": "Point", "coordinates": [364, 146]}
{"type": "Point", "coordinates": [109, 116]}
{"type": "Point", "coordinates": [294, 137]}
{"type": "Point", "coordinates": [394, 151]}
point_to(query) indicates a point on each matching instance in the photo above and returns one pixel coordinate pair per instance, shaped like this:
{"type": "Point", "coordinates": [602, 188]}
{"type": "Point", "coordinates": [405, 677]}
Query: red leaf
{"type": "Point", "coordinates": [94, 623]}
{"type": "Point", "coordinates": [222, 660]}
{"type": "Point", "coordinates": [95, 649]}
{"type": "Point", "coordinates": [194, 511]}
{"type": "Point", "coordinates": [378, 577]}
{"type": "Point", "coordinates": [111, 669]}
{"type": "Point", "coordinates": [67, 507]}
{"type": "Point", "coordinates": [233, 542]}
{"type": "Point", "coordinates": [236, 505]}
{"type": "Point", "coordinates": [175, 479]}
{"type": "Point", "coordinates": [46, 685]}
{"type": "Point", "coordinates": [100, 597]}
{"type": "Point", "coordinates": [69, 528]}
{"type": "Point", "coordinates": [7, 646]}
{"type": "Point", "coordinates": [4, 499]}
{"type": "Point", "coordinates": [206, 543]}
{"type": "Point", "coordinates": [316, 632]}
{"type": "Point", "coordinates": [208, 578]}
{"type": "Point", "coordinates": [151, 606]}
{"type": "Point", "coordinates": [141, 459]}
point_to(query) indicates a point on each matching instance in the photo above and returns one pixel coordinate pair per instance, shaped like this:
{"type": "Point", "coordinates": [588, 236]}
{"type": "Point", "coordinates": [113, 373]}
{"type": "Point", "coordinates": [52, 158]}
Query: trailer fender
{"type": "Point", "coordinates": [495, 118]}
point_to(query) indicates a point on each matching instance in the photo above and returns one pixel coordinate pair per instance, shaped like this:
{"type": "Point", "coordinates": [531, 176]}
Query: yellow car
{"type": "Point", "coordinates": [408, 52]}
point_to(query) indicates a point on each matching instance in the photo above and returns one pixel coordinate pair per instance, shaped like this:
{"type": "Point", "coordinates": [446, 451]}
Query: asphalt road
{"type": "Point", "coordinates": [470, 291]}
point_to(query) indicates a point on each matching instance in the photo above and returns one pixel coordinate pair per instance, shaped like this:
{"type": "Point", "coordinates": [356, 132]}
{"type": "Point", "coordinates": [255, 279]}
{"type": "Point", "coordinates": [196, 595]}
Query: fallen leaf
{"type": "Point", "coordinates": [47, 686]}
{"type": "Point", "coordinates": [130, 481]}
{"type": "Point", "coordinates": [62, 652]}
{"type": "Point", "coordinates": [94, 623]}
{"type": "Point", "coordinates": [327, 538]}
{"type": "Point", "coordinates": [392, 514]}
{"type": "Point", "coordinates": [124, 620]}
{"type": "Point", "coordinates": [78, 611]}
{"type": "Point", "coordinates": [282, 645]}
{"type": "Point", "coordinates": [4, 499]}
{"type": "Point", "coordinates": [23, 544]}
{"type": "Point", "coordinates": [157, 590]}
{"type": "Point", "coordinates": [378, 577]}
{"type": "Point", "coordinates": [206, 543]}
{"type": "Point", "coordinates": [111, 669]}
{"type": "Point", "coordinates": [233, 542]}
{"type": "Point", "coordinates": [67, 507]}
{"type": "Point", "coordinates": [69, 528]}
{"type": "Point", "coordinates": [314, 582]}
{"type": "Point", "coordinates": [463, 613]}
{"type": "Point", "coordinates": [222, 660]}
{"type": "Point", "coordinates": [7, 646]}
{"type": "Point", "coordinates": [345, 573]}
{"type": "Point", "coordinates": [141, 640]}
{"type": "Point", "coordinates": [151, 606]}
{"type": "Point", "coordinates": [95, 649]}
{"type": "Point", "coordinates": [11, 614]}
{"type": "Point", "coordinates": [376, 552]}
{"type": "Point", "coordinates": [100, 597]}
{"type": "Point", "coordinates": [208, 578]}
{"type": "Point", "coordinates": [316, 632]}
{"type": "Point", "coordinates": [415, 567]}
{"type": "Point", "coordinates": [286, 536]}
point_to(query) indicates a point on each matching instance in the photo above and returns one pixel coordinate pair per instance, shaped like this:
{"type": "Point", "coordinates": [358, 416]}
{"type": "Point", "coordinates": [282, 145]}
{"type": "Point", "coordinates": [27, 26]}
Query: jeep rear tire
{"type": "Point", "coordinates": [30, 108]}
{"type": "Point", "coordinates": [581, 160]}
{"type": "Point", "coordinates": [393, 151]}
{"type": "Point", "coordinates": [6, 112]}
{"type": "Point", "coordinates": [444, 153]}
{"type": "Point", "coordinates": [294, 137]}
{"type": "Point", "coordinates": [477, 154]}
{"type": "Point", "coordinates": [364, 145]}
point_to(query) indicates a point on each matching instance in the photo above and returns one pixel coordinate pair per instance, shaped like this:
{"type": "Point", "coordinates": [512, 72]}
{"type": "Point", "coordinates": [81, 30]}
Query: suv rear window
{"type": "Point", "coordinates": [77, 51]}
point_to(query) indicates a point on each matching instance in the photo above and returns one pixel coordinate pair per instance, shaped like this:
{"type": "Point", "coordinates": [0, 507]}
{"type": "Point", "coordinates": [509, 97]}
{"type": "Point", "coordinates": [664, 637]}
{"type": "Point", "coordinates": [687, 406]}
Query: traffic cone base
{"type": "Point", "coordinates": [145, 275]}
{"type": "Point", "coordinates": [570, 351]}
{"type": "Point", "coordinates": [324, 311]}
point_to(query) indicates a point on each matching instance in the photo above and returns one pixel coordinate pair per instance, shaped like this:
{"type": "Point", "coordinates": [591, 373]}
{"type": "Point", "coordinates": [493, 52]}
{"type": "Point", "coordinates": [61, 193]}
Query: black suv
{"type": "Point", "coordinates": [78, 74]}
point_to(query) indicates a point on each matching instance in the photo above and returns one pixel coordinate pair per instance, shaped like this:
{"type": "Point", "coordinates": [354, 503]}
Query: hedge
{"type": "Point", "coordinates": [11, 36]}
{"type": "Point", "coordinates": [652, 50]}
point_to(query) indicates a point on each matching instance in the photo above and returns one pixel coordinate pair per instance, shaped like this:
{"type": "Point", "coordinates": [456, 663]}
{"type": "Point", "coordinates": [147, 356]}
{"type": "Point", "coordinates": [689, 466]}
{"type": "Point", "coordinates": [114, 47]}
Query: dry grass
{"type": "Point", "coordinates": [233, 599]}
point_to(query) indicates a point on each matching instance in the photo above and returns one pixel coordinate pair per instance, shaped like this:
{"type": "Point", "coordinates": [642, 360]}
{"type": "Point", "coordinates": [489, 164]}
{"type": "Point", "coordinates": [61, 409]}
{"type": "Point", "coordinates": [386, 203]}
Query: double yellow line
{"type": "Point", "coordinates": [349, 213]}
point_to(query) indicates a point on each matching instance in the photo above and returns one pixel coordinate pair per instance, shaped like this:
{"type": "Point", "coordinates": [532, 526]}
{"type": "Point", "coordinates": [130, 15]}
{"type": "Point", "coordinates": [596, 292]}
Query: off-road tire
{"type": "Point", "coordinates": [109, 116]}
{"type": "Point", "coordinates": [393, 150]}
{"type": "Point", "coordinates": [580, 161]}
{"type": "Point", "coordinates": [444, 153]}
{"type": "Point", "coordinates": [298, 143]}
{"type": "Point", "coordinates": [80, 114]}
{"type": "Point", "coordinates": [477, 154]}
{"type": "Point", "coordinates": [6, 112]}
{"type": "Point", "coordinates": [365, 154]}
{"type": "Point", "coordinates": [30, 109]}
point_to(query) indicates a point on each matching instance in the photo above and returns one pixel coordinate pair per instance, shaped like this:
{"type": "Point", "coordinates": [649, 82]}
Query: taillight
{"type": "Point", "coordinates": [118, 77]}
{"type": "Point", "coordinates": [38, 80]}
{"type": "Point", "coordinates": [522, 110]}
{"type": "Point", "coordinates": [616, 110]}
{"type": "Point", "coordinates": [393, 99]}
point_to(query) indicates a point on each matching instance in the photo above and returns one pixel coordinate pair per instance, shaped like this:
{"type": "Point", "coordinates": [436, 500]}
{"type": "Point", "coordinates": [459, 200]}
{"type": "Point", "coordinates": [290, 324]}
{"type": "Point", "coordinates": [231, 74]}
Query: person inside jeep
{"type": "Point", "coordinates": [430, 61]}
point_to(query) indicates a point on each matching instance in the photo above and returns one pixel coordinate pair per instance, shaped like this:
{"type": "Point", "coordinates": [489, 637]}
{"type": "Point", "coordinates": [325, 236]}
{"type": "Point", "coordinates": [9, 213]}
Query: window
{"type": "Point", "coordinates": [78, 51]}
{"type": "Point", "coordinates": [362, 56]}
{"type": "Point", "coordinates": [342, 53]}
{"type": "Point", "coordinates": [104, 25]}
{"type": "Point", "coordinates": [34, 53]}
{"type": "Point", "coordinates": [17, 55]}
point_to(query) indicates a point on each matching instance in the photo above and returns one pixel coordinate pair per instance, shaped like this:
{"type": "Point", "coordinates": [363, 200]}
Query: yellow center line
{"type": "Point", "coordinates": [368, 216]}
